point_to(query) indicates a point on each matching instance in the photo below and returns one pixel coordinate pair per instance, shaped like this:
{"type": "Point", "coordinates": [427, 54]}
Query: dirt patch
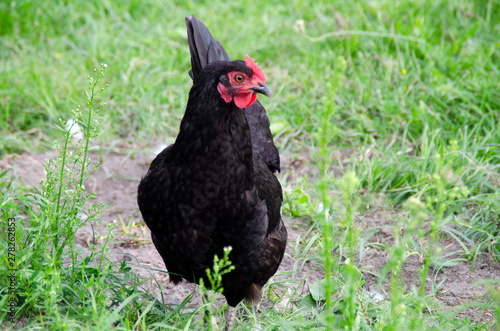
{"type": "Point", "coordinates": [116, 181]}
{"type": "Point", "coordinates": [453, 279]}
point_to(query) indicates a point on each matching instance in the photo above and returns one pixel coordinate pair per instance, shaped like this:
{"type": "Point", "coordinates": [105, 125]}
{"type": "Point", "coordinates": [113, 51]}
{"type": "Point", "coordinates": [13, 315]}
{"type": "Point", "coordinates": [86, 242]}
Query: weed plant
{"type": "Point", "coordinates": [57, 285]}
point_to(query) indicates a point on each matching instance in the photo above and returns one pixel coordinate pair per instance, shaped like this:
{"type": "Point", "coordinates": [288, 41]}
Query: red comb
{"type": "Point", "coordinates": [256, 70]}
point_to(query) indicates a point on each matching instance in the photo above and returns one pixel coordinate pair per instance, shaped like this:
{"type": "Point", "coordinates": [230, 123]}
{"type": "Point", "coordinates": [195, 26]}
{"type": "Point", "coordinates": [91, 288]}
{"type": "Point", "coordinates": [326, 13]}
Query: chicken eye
{"type": "Point", "coordinates": [239, 78]}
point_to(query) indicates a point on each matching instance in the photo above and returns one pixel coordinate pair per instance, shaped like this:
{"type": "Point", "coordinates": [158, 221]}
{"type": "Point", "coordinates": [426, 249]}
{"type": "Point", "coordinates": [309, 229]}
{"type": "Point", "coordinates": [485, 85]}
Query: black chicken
{"type": "Point", "coordinates": [212, 188]}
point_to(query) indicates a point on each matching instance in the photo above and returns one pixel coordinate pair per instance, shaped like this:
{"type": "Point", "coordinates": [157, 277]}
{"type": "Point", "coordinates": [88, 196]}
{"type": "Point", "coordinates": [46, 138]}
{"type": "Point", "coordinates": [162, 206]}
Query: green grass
{"type": "Point", "coordinates": [408, 91]}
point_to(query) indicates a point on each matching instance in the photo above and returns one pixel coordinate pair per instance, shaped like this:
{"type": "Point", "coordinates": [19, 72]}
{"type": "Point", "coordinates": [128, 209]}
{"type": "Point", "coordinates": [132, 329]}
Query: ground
{"type": "Point", "coordinates": [116, 181]}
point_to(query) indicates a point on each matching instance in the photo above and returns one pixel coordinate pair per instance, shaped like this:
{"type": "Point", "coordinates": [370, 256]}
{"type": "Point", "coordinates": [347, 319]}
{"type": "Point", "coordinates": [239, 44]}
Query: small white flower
{"type": "Point", "coordinates": [300, 26]}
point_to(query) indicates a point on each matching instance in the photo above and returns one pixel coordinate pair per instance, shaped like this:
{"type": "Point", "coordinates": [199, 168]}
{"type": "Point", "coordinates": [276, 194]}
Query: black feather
{"type": "Point", "coordinates": [203, 47]}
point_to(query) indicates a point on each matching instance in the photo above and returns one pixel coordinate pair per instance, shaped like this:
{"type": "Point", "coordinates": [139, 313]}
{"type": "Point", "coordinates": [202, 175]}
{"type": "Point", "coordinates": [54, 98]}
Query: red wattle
{"type": "Point", "coordinates": [244, 100]}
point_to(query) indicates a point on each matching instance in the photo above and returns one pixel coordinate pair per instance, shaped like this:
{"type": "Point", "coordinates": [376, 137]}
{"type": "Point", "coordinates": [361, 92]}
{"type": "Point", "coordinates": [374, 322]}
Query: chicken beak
{"type": "Point", "coordinates": [262, 88]}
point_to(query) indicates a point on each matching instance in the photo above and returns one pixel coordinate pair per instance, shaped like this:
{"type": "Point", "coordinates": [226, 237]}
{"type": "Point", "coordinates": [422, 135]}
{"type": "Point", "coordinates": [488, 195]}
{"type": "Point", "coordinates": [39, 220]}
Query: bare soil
{"type": "Point", "coordinates": [116, 181]}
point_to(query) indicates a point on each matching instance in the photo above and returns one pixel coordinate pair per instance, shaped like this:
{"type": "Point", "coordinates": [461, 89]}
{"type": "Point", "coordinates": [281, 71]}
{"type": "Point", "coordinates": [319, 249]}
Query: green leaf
{"type": "Point", "coordinates": [317, 290]}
